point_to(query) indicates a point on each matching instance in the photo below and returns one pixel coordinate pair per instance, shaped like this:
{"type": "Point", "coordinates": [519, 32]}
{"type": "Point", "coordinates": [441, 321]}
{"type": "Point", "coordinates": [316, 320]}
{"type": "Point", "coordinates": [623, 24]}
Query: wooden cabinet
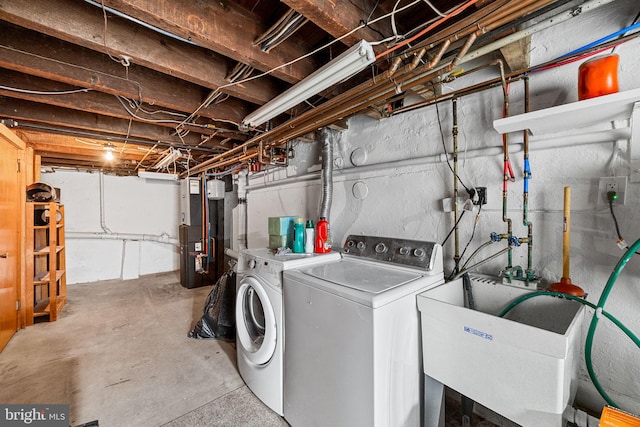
{"type": "Point", "coordinates": [46, 284]}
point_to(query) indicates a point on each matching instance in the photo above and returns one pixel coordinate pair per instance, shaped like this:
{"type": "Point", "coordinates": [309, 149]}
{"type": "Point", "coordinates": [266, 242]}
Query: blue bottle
{"type": "Point", "coordinates": [298, 236]}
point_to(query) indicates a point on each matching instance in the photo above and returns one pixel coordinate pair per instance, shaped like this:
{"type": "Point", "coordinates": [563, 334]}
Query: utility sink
{"type": "Point", "coordinates": [522, 366]}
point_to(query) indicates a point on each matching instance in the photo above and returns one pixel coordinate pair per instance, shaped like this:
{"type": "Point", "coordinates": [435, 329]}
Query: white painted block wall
{"type": "Point", "coordinates": [132, 205]}
{"type": "Point", "coordinates": [406, 201]}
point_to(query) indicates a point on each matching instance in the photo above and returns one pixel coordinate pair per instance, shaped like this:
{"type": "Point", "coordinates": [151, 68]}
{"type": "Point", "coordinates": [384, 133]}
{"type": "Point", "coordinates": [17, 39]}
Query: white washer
{"type": "Point", "coordinates": [259, 319]}
{"type": "Point", "coordinates": [354, 355]}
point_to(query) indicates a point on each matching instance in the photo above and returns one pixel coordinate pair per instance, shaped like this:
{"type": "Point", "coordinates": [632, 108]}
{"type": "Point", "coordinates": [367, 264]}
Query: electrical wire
{"type": "Point", "coordinates": [457, 11]}
{"type": "Point", "coordinates": [51, 92]}
{"type": "Point", "coordinates": [453, 228]}
{"type": "Point", "coordinates": [313, 52]}
{"type": "Point", "coordinates": [473, 232]}
{"type": "Point", "coordinates": [615, 221]}
{"type": "Point", "coordinates": [124, 61]}
{"type": "Point", "coordinates": [621, 242]}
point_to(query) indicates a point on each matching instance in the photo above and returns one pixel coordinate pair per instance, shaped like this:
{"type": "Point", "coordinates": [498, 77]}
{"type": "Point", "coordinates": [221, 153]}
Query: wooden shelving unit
{"type": "Point", "coordinates": [46, 290]}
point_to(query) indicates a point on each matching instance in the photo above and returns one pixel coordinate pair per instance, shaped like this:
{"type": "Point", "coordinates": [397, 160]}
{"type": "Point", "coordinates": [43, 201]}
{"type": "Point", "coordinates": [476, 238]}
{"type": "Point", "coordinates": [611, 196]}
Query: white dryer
{"type": "Point", "coordinates": [259, 319]}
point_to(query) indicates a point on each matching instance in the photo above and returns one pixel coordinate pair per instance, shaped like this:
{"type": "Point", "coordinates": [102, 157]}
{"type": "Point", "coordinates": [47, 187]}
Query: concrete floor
{"type": "Point", "coordinates": [119, 353]}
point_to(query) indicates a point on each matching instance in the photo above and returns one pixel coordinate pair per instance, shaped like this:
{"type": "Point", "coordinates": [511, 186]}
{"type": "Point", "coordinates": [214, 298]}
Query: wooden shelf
{"type": "Point", "coordinates": [617, 106]}
{"type": "Point", "coordinates": [46, 260]}
{"type": "Point", "coordinates": [43, 307]}
{"type": "Point", "coordinates": [47, 277]}
{"type": "Point", "coordinates": [46, 250]}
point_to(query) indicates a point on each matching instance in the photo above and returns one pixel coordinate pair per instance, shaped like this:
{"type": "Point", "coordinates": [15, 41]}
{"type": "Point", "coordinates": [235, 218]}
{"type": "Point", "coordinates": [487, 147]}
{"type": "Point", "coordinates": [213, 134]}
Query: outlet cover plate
{"type": "Point", "coordinates": [615, 183]}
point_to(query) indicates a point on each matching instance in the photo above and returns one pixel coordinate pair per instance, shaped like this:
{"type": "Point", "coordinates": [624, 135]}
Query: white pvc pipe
{"type": "Point", "coordinates": [163, 238]}
{"type": "Point", "coordinates": [535, 143]}
{"type": "Point", "coordinates": [103, 222]}
{"type": "Point", "coordinates": [231, 253]}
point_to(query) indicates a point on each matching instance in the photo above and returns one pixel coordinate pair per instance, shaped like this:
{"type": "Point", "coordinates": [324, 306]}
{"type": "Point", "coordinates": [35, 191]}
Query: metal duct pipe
{"type": "Point", "coordinates": [328, 137]}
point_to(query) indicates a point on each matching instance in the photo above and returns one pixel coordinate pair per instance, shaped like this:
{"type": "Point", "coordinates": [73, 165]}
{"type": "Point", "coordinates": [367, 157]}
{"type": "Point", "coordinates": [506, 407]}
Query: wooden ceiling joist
{"type": "Point", "coordinates": [325, 14]}
{"type": "Point", "coordinates": [164, 93]}
{"type": "Point", "coordinates": [18, 109]}
{"type": "Point", "coordinates": [222, 27]}
{"type": "Point", "coordinates": [143, 47]}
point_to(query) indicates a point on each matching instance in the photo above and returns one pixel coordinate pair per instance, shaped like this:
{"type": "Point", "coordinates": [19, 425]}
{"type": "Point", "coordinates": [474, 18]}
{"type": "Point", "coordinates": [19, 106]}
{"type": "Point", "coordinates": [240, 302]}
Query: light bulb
{"type": "Point", "coordinates": [108, 155]}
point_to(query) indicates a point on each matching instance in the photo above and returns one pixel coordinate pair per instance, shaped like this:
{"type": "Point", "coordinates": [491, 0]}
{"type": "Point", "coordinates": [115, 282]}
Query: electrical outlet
{"type": "Point", "coordinates": [612, 183]}
{"type": "Point", "coordinates": [482, 196]}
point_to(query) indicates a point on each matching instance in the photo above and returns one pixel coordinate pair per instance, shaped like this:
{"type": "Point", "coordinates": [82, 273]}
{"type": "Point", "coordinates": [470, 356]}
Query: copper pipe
{"type": "Point", "coordinates": [346, 99]}
{"type": "Point", "coordinates": [454, 133]}
{"type": "Point", "coordinates": [343, 109]}
{"type": "Point", "coordinates": [366, 94]}
{"type": "Point", "coordinates": [512, 11]}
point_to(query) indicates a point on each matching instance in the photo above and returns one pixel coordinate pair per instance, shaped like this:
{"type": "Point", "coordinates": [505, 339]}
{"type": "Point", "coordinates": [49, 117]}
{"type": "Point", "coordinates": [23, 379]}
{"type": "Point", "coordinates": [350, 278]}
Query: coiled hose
{"type": "Point", "coordinates": [599, 310]}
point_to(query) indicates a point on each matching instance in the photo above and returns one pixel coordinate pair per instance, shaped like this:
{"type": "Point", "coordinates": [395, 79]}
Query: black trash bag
{"type": "Point", "coordinates": [218, 320]}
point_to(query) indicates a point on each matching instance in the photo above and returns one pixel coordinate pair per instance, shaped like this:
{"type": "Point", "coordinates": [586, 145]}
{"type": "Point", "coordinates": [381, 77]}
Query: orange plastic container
{"type": "Point", "coordinates": [598, 76]}
{"type": "Point", "coordinates": [612, 417]}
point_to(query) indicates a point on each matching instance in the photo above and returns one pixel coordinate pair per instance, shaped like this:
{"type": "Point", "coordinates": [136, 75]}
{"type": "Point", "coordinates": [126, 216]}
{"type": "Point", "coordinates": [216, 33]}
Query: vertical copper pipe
{"type": "Point", "coordinates": [454, 132]}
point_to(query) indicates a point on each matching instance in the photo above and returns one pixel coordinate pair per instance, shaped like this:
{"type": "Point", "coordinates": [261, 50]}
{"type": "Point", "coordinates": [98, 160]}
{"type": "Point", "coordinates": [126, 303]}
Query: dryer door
{"type": "Point", "coordinates": [255, 321]}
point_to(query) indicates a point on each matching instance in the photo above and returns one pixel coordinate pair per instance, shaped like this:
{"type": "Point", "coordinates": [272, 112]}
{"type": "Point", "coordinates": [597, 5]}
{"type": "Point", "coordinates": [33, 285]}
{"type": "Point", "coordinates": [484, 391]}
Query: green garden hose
{"type": "Point", "coordinates": [599, 310]}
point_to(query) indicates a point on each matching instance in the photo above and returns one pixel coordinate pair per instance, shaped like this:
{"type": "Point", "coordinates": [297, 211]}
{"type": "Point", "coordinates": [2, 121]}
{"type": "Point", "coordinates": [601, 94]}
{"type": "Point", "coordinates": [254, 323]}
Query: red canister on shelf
{"type": "Point", "coordinates": [323, 245]}
{"type": "Point", "coordinates": [598, 76]}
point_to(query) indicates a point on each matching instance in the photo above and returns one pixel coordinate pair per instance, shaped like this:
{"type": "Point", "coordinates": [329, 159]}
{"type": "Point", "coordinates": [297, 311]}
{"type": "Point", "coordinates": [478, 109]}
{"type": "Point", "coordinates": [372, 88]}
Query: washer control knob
{"type": "Point", "coordinates": [361, 245]}
{"type": "Point", "coordinates": [381, 248]}
{"type": "Point", "coordinates": [350, 243]}
{"type": "Point", "coordinates": [404, 250]}
{"type": "Point", "coordinates": [419, 252]}
{"type": "Point", "coordinates": [252, 263]}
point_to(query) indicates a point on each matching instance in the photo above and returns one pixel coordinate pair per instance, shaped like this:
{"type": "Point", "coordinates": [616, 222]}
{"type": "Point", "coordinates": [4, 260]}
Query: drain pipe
{"type": "Point", "coordinates": [328, 136]}
{"type": "Point", "coordinates": [103, 222]}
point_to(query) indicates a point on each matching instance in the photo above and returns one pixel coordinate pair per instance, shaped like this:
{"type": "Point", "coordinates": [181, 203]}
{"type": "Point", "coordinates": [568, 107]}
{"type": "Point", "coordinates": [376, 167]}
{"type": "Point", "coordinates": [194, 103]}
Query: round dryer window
{"type": "Point", "coordinates": [255, 321]}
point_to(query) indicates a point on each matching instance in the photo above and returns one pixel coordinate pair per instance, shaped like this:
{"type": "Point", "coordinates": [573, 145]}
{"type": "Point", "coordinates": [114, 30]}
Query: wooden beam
{"type": "Point", "coordinates": [338, 18]}
{"type": "Point", "coordinates": [78, 153]}
{"type": "Point", "coordinates": [142, 46]}
{"type": "Point", "coordinates": [11, 138]}
{"type": "Point", "coordinates": [222, 27]}
{"type": "Point", "coordinates": [174, 94]}
{"type": "Point", "coordinates": [25, 110]}
{"type": "Point", "coordinates": [517, 54]}
{"type": "Point", "coordinates": [92, 101]}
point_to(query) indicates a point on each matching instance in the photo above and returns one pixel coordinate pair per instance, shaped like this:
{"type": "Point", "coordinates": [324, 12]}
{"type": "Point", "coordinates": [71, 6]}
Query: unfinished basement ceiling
{"type": "Point", "coordinates": [160, 83]}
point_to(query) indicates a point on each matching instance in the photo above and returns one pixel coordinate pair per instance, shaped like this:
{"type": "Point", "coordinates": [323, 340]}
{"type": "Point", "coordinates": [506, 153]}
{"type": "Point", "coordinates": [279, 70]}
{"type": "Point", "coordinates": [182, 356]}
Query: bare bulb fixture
{"type": "Point", "coordinates": [108, 155]}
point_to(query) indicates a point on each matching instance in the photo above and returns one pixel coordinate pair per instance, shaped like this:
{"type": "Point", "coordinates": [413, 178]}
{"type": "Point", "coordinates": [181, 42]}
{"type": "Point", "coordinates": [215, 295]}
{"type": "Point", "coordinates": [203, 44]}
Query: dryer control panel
{"type": "Point", "coordinates": [414, 253]}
